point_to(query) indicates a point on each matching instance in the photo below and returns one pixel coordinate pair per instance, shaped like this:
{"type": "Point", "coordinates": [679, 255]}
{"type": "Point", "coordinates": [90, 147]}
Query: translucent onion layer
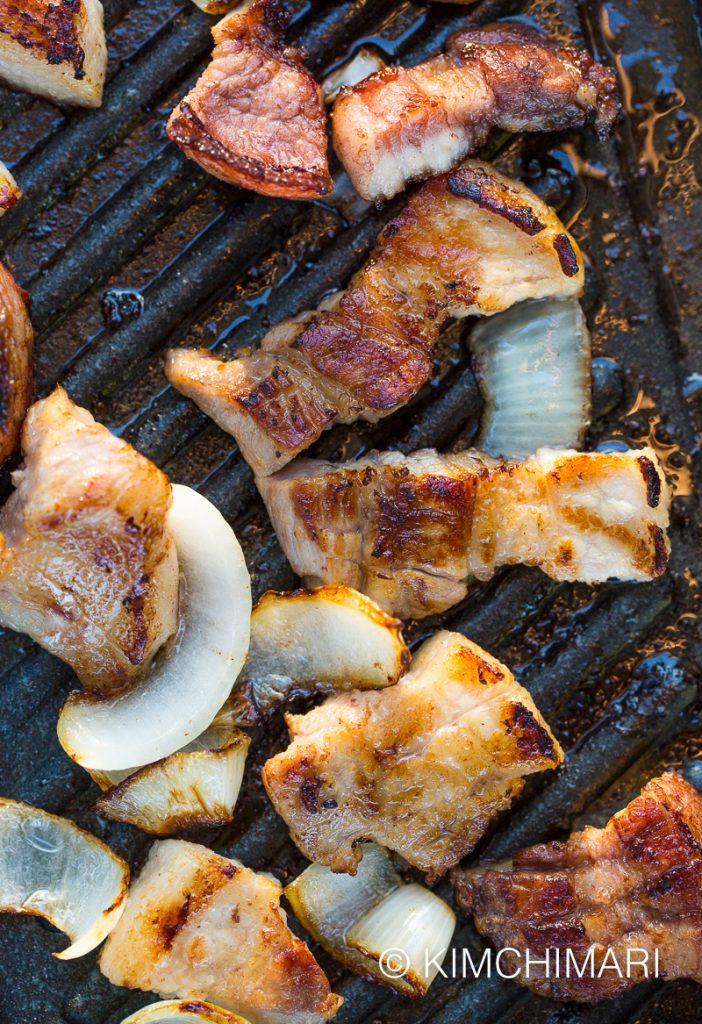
{"type": "Point", "coordinates": [364, 63]}
{"type": "Point", "coordinates": [51, 868]}
{"type": "Point", "coordinates": [321, 640]}
{"type": "Point", "coordinates": [350, 914]}
{"type": "Point", "coordinates": [533, 367]}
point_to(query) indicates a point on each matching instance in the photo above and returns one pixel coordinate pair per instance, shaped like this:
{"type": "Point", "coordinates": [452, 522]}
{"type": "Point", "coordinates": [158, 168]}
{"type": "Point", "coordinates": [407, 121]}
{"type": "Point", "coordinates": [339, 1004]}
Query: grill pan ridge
{"type": "Point", "coordinates": [127, 248]}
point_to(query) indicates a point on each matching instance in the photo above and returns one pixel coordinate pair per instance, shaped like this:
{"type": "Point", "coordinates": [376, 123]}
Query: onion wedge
{"type": "Point", "coordinates": [533, 367]}
{"type": "Point", "coordinates": [364, 63]}
{"type": "Point", "coordinates": [318, 641]}
{"type": "Point", "coordinates": [187, 789]}
{"type": "Point", "coordinates": [193, 677]}
{"type": "Point", "coordinates": [406, 933]}
{"type": "Point", "coordinates": [183, 1011]}
{"type": "Point", "coordinates": [336, 909]}
{"type": "Point", "coordinates": [51, 868]}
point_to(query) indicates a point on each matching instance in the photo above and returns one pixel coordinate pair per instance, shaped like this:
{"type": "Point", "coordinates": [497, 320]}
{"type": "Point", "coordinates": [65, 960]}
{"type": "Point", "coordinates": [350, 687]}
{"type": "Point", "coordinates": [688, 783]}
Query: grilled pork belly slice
{"type": "Point", "coordinates": [256, 117]}
{"type": "Point", "coordinates": [199, 926]}
{"type": "Point", "coordinates": [54, 49]}
{"type": "Point", "coordinates": [87, 567]}
{"type": "Point", "coordinates": [469, 243]}
{"type": "Point", "coordinates": [16, 343]}
{"type": "Point", "coordinates": [9, 190]}
{"type": "Point", "coordinates": [405, 124]}
{"type": "Point", "coordinates": [420, 767]}
{"type": "Point", "coordinates": [635, 884]}
{"type": "Point", "coordinates": [410, 531]}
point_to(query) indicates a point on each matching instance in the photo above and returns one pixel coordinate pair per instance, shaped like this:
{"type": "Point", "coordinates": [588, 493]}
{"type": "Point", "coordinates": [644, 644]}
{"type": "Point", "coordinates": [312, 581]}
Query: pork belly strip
{"type": "Point", "coordinates": [469, 243]}
{"type": "Point", "coordinates": [200, 926]}
{"type": "Point", "coordinates": [420, 767]}
{"type": "Point", "coordinates": [404, 124]}
{"type": "Point", "coordinates": [16, 378]}
{"type": "Point", "coordinates": [411, 531]}
{"type": "Point", "coordinates": [256, 117]}
{"type": "Point", "coordinates": [9, 190]}
{"type": "Point", "coordinates": [635, 884]}
{"type": "Point", "coordinates": [56, 50]}
{"type": "Point", "coordinates": [87, 566]}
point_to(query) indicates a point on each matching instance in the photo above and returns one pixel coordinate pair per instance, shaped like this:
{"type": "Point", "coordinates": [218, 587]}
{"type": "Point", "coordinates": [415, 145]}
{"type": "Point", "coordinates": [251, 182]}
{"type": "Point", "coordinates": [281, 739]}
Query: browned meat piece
{"type": "Point", "coordinates": [16, 342]}
{"type": "Point", "coordinates": [404, 124]}
{"type": "Point", "coordinates": [472, 242]}
{"type": "Point", "coordinates": [256, 116]}
{"type": "Point", "coordinates": [200, 926]}
{"type": "Point", "coordinates": [420, 767]}
{"type": "Point", "coordinates": [56, 50]}
{"type": "Point", "coordinates": [411, 531]}
{"type": "Point", "coordinates": [9, 190]}
{"type": "Point", "coordinates": [87, 566]}
{"type": "Point", "coordinates": [635, 885]}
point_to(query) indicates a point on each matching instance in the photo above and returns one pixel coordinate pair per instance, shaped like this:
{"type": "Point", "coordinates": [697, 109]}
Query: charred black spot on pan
{"type": "Point", "coordinates": [652, 480]}
{"type": "Point", "coordinates": [566, 255]}
{"type": "Point", "coordinates": [485, 192]}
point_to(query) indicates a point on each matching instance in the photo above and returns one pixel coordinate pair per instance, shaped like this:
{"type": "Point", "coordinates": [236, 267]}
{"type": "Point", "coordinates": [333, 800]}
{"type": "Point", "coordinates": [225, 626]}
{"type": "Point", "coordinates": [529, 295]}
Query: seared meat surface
{"type": "Point", "coordinates": [404, 124]}
{"type": "Point", "coordinates": [16, 381]}
{"type": "Point", "coordinates": [634, 885]}
{"type": "Point", "coordinates": [420, 767]}
{"type": "Point", "coordinates": [256, 116]}
{"type": "Point", "coordinates": [56, 50]}
{"type": "Point", "coordinates": [9, 190]}
{"type": "Point", "coordinates": [87, 567]}
{"type": "Point", "coordinates": [200, 926]}
{"type": "Point", "coordinates": [411, 531]}
{"type": "Point", "coordinates": [469, 243]}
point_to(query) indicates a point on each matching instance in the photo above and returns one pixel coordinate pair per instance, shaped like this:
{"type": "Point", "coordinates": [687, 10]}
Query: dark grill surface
{"type": "Point", "coordinates": [126, 248]}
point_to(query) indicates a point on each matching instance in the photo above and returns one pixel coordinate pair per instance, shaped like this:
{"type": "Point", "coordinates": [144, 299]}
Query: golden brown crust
{"type": "Point", "coordinates": [405, 124]}
{"type": "Point", "coordinates": [50, 30]}
{"type": "Point", "coordinates": [412, 531]}
{"type": "Point", "coordinates": [201, 926]}
{"type": "Point", "coordinates": [16, 379]}
{"type": "Point", "coordinates": [635, 884]}
{"type": "Point", "coordinates": [420, 767]}
{"type": "Point", "coordinates": [256, 116]}
{"type": "Point", "coordinates": [458, 248]}
{"type": "Point", "coordinates": [87, 565]}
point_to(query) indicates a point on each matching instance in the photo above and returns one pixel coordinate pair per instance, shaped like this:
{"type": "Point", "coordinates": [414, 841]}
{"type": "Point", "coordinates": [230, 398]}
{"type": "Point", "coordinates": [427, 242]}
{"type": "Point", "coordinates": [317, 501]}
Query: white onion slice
{"type": "Point", "coordinates": [364, 63]}
{"type": "Point", "coordinates": [190, 681]}
{"type": "Point", "coordinates": [416, 925]}
{"type": "Point", "coordinates": [318, 641]}
{"type": "Point", "coordinates": [533, 366]}
{"type": "Point", "coordinates": [217, 735]}
{"type": "Point", "coordinates": [183, 1011]}
{"type": "Point", "coordinates": [332, 907]}
{"type": "Point", "coordinates": [51, 868]}
{"type": "Point", "coordinates": [187, 789]}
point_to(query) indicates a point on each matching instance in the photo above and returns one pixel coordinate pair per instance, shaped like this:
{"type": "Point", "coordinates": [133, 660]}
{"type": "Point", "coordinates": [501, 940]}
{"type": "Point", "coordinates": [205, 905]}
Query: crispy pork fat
{"type": "Point", "coordinates": [16, 343]}
{"type": "Point", "coordinates": [56, 50]}
{"type": "Point", "coordinates": [403, 124]}
{"type": "Point", "coordinates": [256, 117]}
{"type": "Point", "coordinates": [420, 767]}
{"type": "Point", "coordinates": [410, 531]}
{"type": "Point", "coordinates": [87, 567]}
{"type": "Point", "coordinates": [469, 243]}
{"type": "Point", "coordinates": [200, 926]}
{"type": "Point", "coordinates": [635, 885]}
